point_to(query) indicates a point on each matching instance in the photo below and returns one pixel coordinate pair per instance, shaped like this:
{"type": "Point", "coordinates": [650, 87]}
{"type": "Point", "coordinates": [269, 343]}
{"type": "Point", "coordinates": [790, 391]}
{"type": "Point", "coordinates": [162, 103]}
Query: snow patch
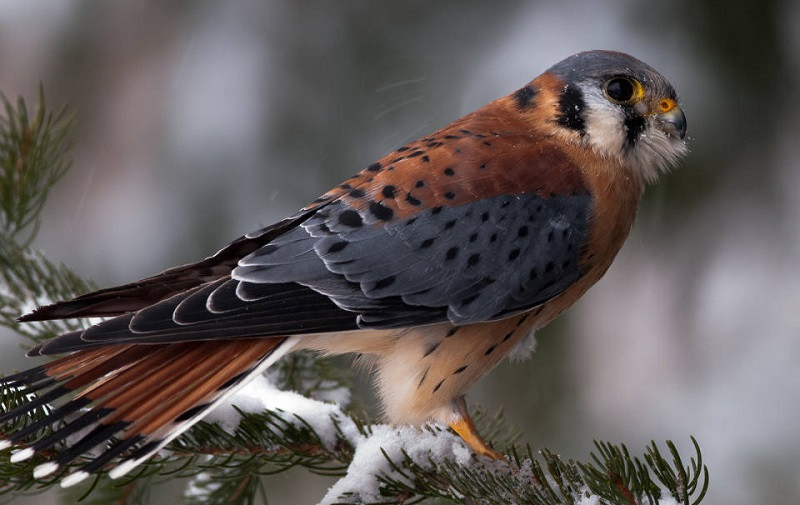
{"type": "Point", "coordinates": [326, 419]}
{"type": "Point", "coordinates": [369, 462]}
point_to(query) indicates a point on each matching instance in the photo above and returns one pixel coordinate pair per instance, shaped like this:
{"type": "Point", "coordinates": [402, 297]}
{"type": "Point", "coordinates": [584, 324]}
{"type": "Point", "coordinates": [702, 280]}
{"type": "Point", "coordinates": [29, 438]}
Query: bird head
{"type": "Point", "coordinates": [619, 107]}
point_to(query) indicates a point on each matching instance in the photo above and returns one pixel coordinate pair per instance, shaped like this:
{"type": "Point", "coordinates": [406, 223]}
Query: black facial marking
{"type": "Point", "coordinates": [634, 126]}
{"type": "Point", "coordinates": [375, 167]}
{"type": "Point", "coordinates": [351, 218]}
{"type": "Point", "coordinates": [572, 106]}
{"type": "Point", "coordinates": [389, 191]}
{"type": "Point", "coordinates": [524, 97]}
{"type": "Point", "coordinates": [380, 211]}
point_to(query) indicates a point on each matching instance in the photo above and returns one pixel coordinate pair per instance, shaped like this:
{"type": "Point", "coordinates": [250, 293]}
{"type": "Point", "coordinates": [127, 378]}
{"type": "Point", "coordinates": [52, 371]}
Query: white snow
{"type": "Point", "coordinates": [201, 486]}
{"type": "Point", "coordinates": [369, 462]}
{"type": "Point", "coordinates": [260, 394]}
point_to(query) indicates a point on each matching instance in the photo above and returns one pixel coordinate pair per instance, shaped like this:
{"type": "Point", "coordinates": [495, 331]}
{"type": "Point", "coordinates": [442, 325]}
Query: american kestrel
{"type": "Point", "coordinates": [436, 260]}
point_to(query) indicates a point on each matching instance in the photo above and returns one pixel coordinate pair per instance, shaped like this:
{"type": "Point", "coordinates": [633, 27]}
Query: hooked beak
{"type": "Point", "coordinates": [673, 122]}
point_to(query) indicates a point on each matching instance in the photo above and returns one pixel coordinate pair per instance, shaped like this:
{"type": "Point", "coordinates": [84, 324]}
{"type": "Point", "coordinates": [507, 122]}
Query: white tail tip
{"type": "Point", "coordinates": [123, 468]}
{"type": "Point", "coordinates": [74, 478]}
{"type": "Point", "coordinates": [44, 469]}
{"type": "Point", "coordinates": [21, 455]}
{"type": "Point", "coordinates": [5, 444]}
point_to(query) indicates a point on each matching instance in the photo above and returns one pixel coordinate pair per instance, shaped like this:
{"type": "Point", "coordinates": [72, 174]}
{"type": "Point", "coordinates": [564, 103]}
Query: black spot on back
{"type": "Point", "coordinates": [451, 253]}
{"type": "Point", "coordinates": [389, 191]}
{"type": "Point", "coordinates": [413, 201]}
{"type": "Point", "coordinates": [356, 193]}
{"type": "Point", "coordinates": [427, 243]}
{"type": "Point", "coordinates": [380, 211]}
{"type": "Point", "coordinates": [524, 96]}
{"type": "Point", "coordinates": [450, 195]}
{"type": "Point", "coordinates": [572, 106]}
{"type": "Point", "coordinates": [449, 171]}
{"type": "Point", "coordinates": [375, 167]}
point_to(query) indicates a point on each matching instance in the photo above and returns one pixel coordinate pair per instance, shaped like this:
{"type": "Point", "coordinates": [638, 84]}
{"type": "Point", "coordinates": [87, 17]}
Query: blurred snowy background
{"type": "Point", "coordinates": [198, 121]}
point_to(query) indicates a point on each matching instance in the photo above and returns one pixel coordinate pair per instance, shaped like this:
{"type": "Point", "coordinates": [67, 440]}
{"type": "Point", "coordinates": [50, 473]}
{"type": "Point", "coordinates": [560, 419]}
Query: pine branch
{"type": "Point", "coordinates": [226, 458]}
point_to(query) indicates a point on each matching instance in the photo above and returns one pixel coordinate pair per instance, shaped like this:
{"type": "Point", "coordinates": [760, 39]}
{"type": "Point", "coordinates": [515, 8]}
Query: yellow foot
{"type": "Point", "coordinates": [463, 425]}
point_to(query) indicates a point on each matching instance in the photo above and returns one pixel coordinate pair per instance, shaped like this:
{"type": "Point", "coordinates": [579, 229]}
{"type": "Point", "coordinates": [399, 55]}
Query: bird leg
{"type": "Point", "coordinates": [462, 424]}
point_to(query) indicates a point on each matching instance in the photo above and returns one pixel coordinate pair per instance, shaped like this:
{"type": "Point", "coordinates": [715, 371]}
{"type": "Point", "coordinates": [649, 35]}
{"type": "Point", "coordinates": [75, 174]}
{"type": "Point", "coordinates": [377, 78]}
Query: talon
{"type": "Point", "coordinates": [465, 428]}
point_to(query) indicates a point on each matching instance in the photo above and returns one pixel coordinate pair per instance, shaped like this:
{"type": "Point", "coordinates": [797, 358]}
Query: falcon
{"type": "Point", "coordinates": [436, 261]}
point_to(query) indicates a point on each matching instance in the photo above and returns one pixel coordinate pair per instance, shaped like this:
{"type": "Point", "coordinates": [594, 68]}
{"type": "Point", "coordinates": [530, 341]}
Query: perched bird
{"type": "Point", "coordinates": [436, 260]}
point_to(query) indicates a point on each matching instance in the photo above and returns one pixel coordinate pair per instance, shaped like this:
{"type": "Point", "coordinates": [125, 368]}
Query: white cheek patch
{"type": "Point", "coordinates": [654, 151]}
{"type": "Point", "coordinates": [605, 130]}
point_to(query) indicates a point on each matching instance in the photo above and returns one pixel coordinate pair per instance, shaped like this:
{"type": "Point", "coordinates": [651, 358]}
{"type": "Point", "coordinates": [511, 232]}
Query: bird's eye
{"type": "Point", "coordinates": [623, 90]}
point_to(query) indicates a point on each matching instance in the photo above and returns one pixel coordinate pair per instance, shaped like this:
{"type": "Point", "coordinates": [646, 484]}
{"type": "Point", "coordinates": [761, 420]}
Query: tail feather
{"type": "Point", "coordinates": [139, 396]}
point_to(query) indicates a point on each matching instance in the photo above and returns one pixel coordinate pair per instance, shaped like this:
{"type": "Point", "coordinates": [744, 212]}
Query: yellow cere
{"type": "Point", "coordinates": [666, 105]}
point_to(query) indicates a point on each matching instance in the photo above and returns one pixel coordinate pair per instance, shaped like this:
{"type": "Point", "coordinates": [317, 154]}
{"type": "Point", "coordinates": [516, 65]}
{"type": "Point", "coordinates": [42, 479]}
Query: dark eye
{"type": "Point", "coordinates": [621, 90]}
